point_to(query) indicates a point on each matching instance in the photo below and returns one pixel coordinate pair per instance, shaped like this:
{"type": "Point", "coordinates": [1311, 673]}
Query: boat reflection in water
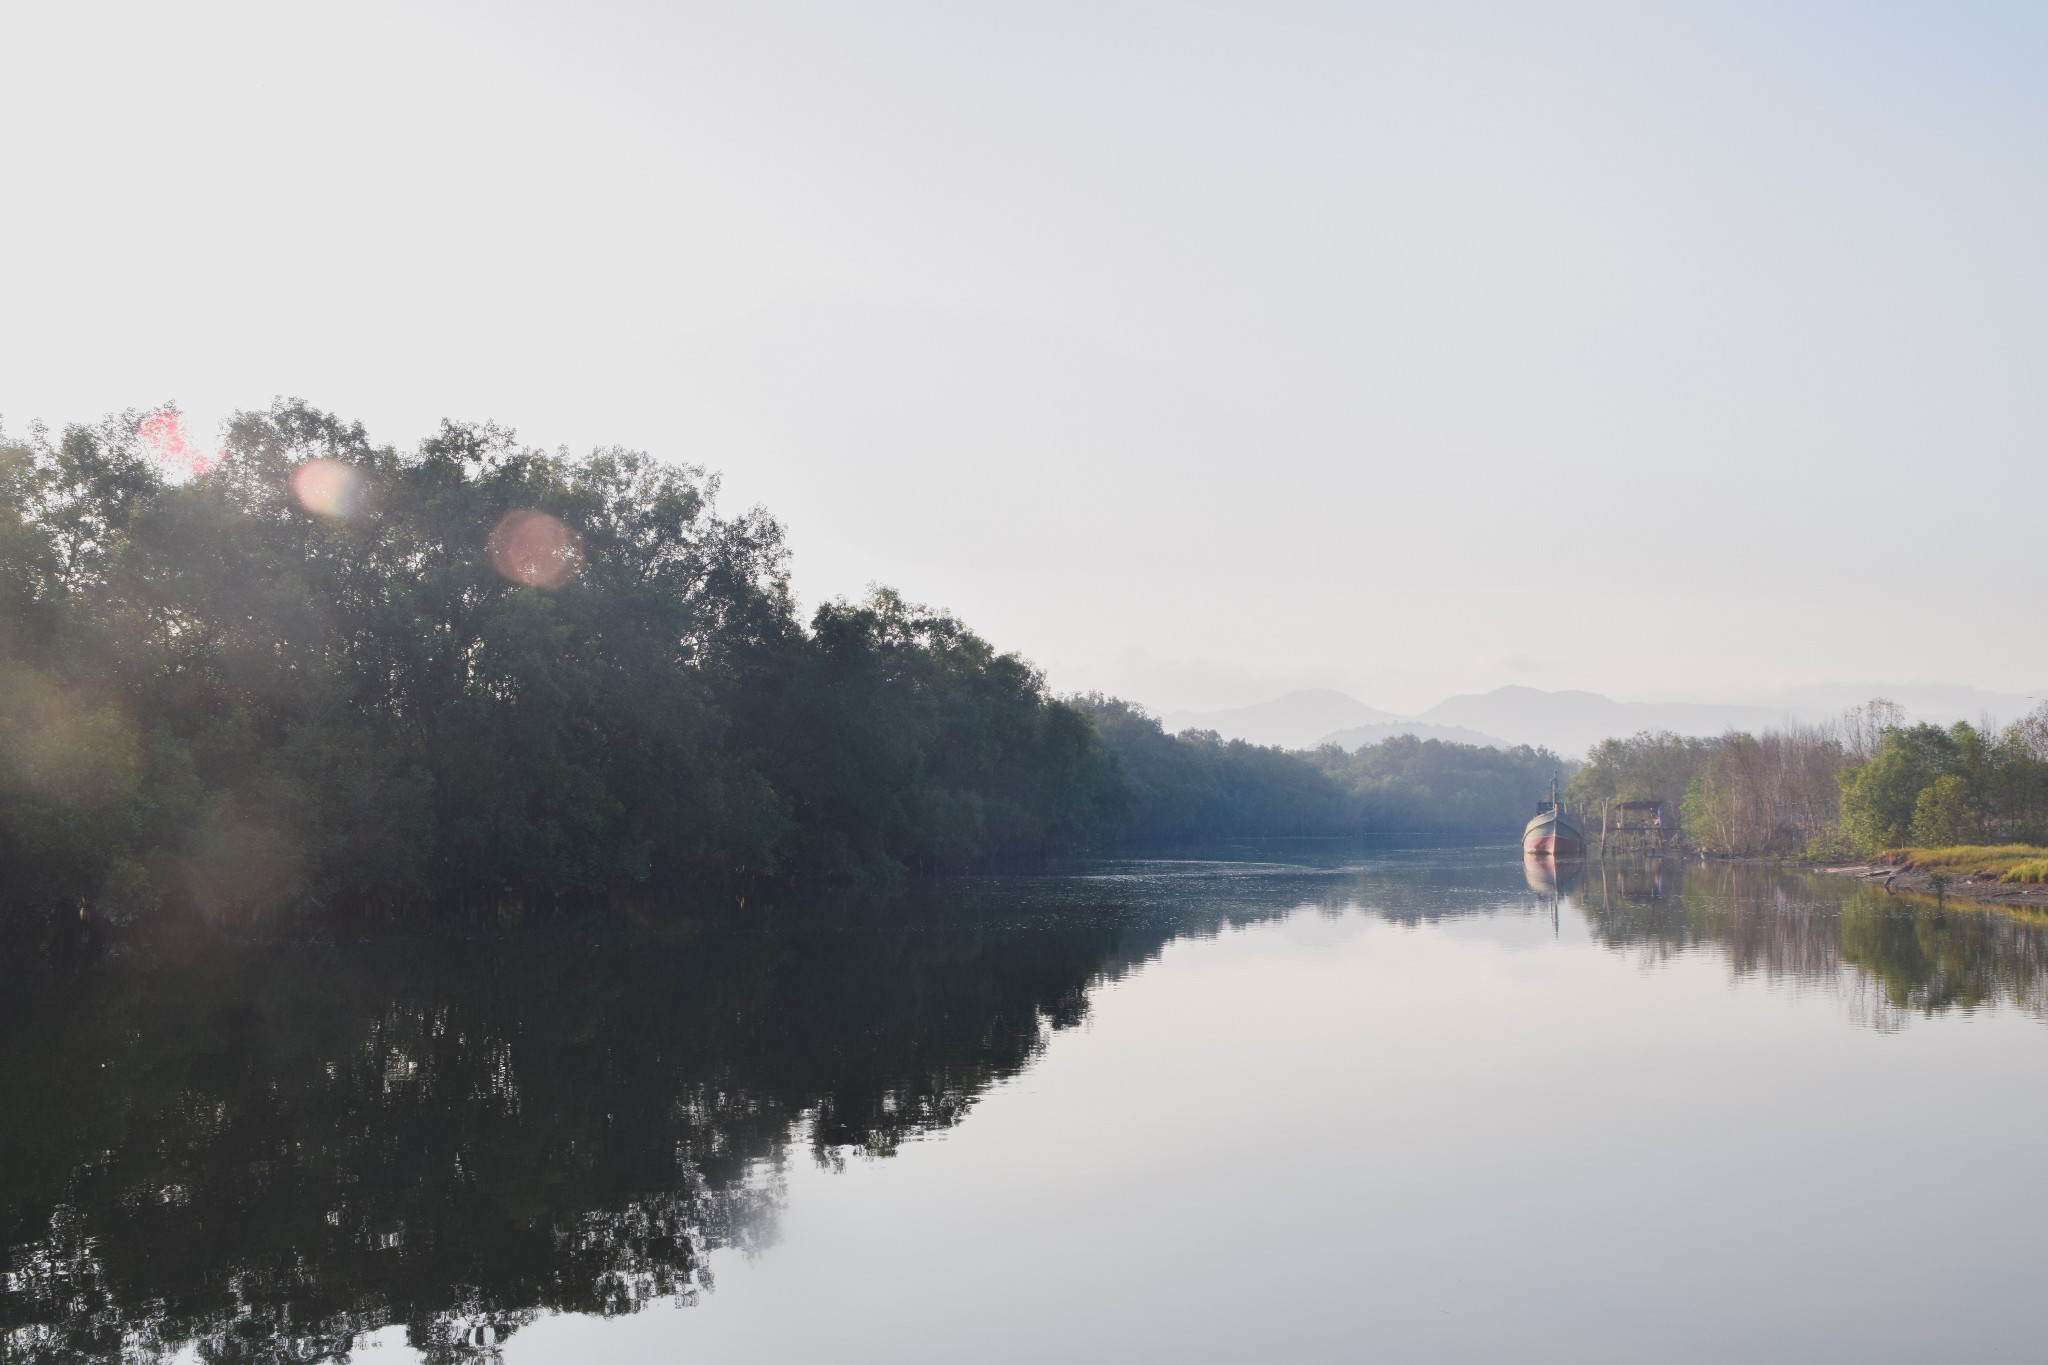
{"type": "Point", "coordinates": [1552, 879]}
{"type": "Point", "coordinates": [1551, 876]}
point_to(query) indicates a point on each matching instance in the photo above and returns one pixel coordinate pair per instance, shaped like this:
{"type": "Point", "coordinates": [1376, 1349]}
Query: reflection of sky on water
{"type": "Point", "coordinates": [1434, 1137]}
{"type": "Point", "coordinates": [1316, 1103]}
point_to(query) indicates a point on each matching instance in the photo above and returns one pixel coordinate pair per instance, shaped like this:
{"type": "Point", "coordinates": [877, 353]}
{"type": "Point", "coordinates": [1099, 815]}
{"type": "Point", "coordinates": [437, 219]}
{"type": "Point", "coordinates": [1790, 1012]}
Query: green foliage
{"type": "Point", "coordinates": [1643, 767]}
{"type": "Point", "coordinates": [1828, 844]}
{"type": "Point", "coordinates": [1408, 783]}
{"type": "Point", "coordinates": [1195, 785]}
{"type": "Point", "coordinates": [234, 692]}
{"type": "Point", "coordinates": [1878, 797]}
{"type": "Point", "coordinates": [943, 750]}
{"type": "Point", "coordinates": [1703, 807]}
{"type": "Point", "coordinates": [1734, 794]}
{"type": "Point", "coordinates": [1835, 791]}
{"type": "Point", "coordinates": [1945, 812]}
{"type": "Point", "coordinates": [1932, 786]}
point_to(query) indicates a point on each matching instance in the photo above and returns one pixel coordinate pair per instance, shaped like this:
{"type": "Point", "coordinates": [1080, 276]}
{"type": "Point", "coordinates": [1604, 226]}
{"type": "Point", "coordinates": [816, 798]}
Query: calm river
{"type": "Point", "coordinates": [1299, 1103]}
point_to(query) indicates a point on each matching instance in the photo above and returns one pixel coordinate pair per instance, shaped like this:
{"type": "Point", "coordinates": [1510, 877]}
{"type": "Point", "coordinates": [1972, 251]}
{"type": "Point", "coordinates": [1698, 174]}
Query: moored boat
{"type": "Point", "coordinates": [1554, 832]}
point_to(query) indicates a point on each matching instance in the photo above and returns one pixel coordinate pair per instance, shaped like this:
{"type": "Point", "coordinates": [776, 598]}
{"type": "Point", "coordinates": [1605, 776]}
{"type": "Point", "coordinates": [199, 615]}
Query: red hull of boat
{"type": "Point", "coordinates": [1552, 832]}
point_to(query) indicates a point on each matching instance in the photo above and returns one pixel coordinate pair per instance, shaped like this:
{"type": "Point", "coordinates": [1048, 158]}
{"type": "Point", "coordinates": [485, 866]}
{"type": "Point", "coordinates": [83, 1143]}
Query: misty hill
{"type": "Point", "coordinates": [1298, 720]}
{"type": "Point", "coordinates": [1572, 722]}
{"type": "Point", "coordinates": [1563, 722]}
{"type": "Point", "coordinates": [1361, 736]}
{"type": "Point", "coordinates": [1938, 703]}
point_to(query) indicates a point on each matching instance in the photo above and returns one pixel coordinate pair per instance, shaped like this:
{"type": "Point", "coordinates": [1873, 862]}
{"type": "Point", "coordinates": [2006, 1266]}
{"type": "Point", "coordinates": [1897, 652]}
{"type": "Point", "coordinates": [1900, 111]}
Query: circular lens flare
{"type": "Point", "coordinates": [329, 488]}
{"type": "Point", "coordinates": [535, 549]}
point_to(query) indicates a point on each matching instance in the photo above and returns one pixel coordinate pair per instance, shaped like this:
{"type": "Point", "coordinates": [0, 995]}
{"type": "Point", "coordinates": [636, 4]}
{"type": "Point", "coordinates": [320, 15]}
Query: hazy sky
{"type": "Point", "coordinates": [1194, 351]}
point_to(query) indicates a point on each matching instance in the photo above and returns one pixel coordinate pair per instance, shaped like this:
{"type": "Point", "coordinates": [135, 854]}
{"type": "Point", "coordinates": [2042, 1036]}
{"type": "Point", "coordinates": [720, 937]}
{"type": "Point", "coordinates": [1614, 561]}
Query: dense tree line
{"type": "Point", "coordinates": [1412, 784]}
{"type": "Point", "coordinates": [1865, 783]}
{"type": "Point", "coordinates": [1934, 787]}
{"type": "Point", "coordinates": [1196, 785]}
{"type": "Point", "coordinates": [323, 671]}
{"type": "Point", "coordinates": [1735, 793]}
{"type": "Point", "coordinates": [328, 670]}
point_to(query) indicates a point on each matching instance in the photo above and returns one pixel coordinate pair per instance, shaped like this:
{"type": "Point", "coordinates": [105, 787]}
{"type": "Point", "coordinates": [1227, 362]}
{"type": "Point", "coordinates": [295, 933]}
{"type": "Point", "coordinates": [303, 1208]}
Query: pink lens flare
{"type": "Point", "coordinates": [163, 435]}
{"type": "Point", "coordinates": [329, 488]}
{"type": "Point", "coordinates": [535, 549]}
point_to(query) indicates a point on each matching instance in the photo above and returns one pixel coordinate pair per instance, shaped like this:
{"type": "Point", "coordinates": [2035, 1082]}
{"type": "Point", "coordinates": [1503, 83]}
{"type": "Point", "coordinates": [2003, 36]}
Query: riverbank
{"type": "Point", "coordinates": [1903, 874]}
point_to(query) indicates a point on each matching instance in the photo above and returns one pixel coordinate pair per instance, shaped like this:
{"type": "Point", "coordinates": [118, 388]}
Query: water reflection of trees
{"type": "Point", "coordinates": [1903, 955]}
{"type": "Point", "coordinates": [267, 1148]}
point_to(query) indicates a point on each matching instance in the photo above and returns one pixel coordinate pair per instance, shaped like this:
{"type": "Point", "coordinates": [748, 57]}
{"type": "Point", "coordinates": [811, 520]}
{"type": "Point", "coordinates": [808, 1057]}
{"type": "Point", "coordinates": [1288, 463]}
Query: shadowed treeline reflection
{"type": "Point", "coordinates": [265, 1146]}
{"type": "Point", "coordinates": [1905, 955]}
{"type": "Point", "coordinates": [268, 1147]}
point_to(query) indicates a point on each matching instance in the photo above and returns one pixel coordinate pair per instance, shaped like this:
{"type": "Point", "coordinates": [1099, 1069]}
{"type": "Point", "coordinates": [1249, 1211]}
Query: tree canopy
{"type": "Point", "coordinates": [323, 671]}
{"type": "Point", "coordinates": [1860, 785]}
{"type": "Point", "coordinates": [1197, 785]}
{"type": "Point", "coordinates": [327, 670]}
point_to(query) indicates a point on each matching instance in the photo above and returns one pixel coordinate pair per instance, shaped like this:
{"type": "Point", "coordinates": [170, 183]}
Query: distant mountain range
{"type": "Point", "coordinates": [1573, 722]}
{"type": "Point", "coordinates": [1568, 723]}
{"type": "Point", "coordinates": [1298, 720]}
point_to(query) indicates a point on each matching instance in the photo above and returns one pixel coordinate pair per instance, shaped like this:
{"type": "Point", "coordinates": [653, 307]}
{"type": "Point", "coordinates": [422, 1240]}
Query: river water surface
{"type": "Point", "coordinates": [1294, 1103]}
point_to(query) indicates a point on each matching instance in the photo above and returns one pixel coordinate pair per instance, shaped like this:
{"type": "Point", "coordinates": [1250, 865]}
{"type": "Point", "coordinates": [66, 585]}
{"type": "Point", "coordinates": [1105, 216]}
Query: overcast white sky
{"type": "Point", "coordinates": [1195, 351]}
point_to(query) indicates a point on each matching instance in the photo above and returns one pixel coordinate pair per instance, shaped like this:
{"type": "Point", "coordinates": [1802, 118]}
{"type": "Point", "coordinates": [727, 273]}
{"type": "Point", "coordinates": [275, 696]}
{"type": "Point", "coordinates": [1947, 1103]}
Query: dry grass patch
{"type": "Point", "coordinates": [2005, 862]}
